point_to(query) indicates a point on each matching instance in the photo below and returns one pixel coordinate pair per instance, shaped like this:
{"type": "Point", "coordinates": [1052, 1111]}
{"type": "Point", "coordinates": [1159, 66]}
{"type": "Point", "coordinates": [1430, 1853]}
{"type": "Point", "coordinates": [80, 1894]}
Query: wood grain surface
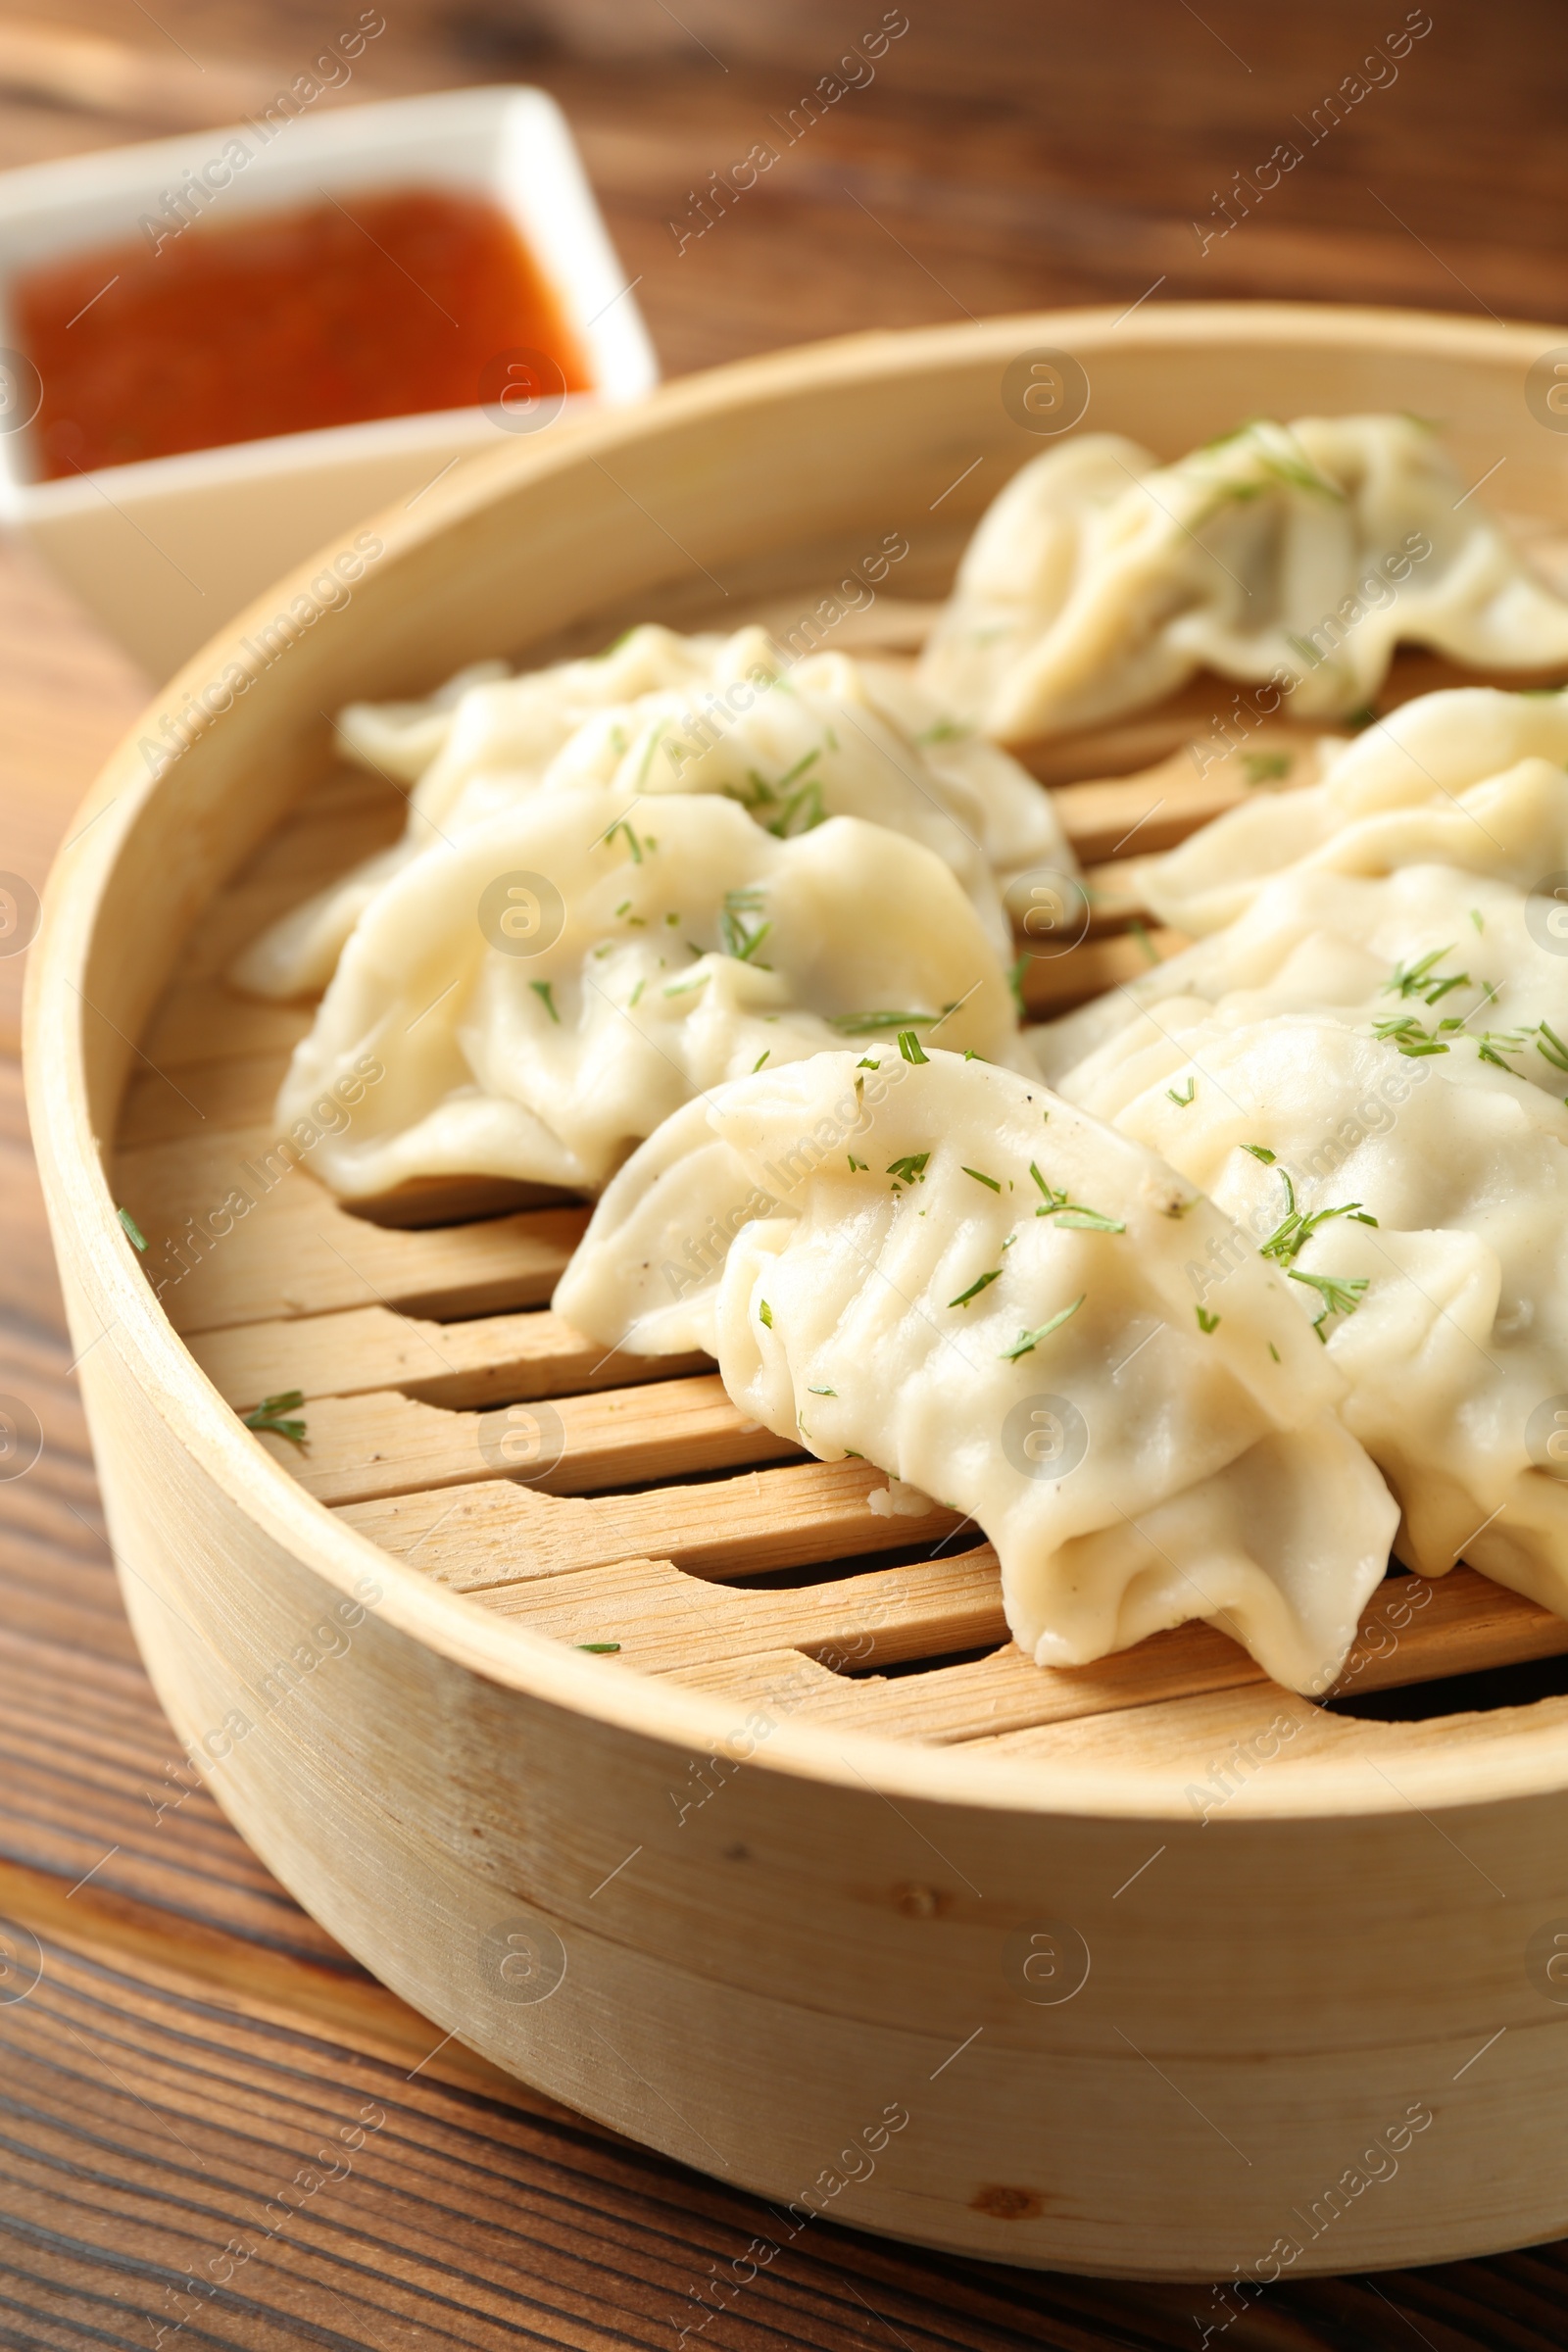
{"type": "Point", "coordinates": [181, 2041]}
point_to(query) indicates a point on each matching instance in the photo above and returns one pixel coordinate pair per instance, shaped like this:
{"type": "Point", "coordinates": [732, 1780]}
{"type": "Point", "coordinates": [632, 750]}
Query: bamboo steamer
{"type": "Point", "coordinates": [950, 1952]}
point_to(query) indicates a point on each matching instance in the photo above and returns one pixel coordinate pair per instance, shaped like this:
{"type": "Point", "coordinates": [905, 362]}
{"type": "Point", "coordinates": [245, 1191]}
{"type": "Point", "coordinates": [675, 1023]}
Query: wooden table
{"type": "Point", "coordinates": [193, 2036]}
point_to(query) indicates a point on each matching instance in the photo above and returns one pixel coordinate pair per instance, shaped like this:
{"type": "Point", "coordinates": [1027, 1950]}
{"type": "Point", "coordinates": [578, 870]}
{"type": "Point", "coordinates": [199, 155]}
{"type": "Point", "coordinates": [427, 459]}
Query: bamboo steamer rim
{"type": "Point", "coordinates": [1518, 1763]}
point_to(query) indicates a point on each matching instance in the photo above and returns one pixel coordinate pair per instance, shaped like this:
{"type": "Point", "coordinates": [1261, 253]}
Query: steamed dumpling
{"type": "Point", "coordinates": [546, 991]}
{"type": "Point", "coordinates": [662, 713]}
{"type": "Point", "coordinates": [1430, 750]}
{"type": "Point", "coordinates": [1447, 1316]}
{"type": "Point", "coordinates": [968, 1281]}
{"type": "Point", "coordinates": [1100, 582]}
{"type": "Point", "coordinates": [1442, 957]}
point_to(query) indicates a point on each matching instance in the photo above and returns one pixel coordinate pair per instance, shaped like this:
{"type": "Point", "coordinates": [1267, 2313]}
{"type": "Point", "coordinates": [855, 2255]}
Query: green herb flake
{"type": "Point", "coordinates": [982, 1283]}
{"type": "Point", "coordinates": [1181, 1101]}
{"type": "Point", "coordinates": [268, 1416]}
{"type": "Point", "coordinates": [857, 1166]}
{"type": "Point", "coordinates": [1141, 934]}
{"type": "Point", "coordinates": [1274, 1352]}
{"type": "Point", "coordinates": [981, 1177]}
{"type": "Point", "coordinates": [1295, 1230]}
{"type": "Point", "coordinates": [911, 1168]}
{"type": "Point", "coordinates": [909, 1047]}
{"type": "Point", "coordinates": [1549, 1045]}
{"type": "Point", "coordinates": [636, 991]}
{"type": "Point", "coordinates": [1477, 918]}
{"type": "Point", "coordinates": [1028, 1340]}
{"type": "Point", "coordinates": [1341, 1295]}
{"type": "Point", "coordinates": [137, 1237]}
{"type": "Point", "coordinates": [1422, 979]}
{"type": "Point", "coordinates": [764, 1314]}
{"type": "Point", "coordinates": [1206, 1321]}
{"type": "Point", "coordinates": [863, 1024]}
{"type": "Point", "coordinates": [822, 1391]}
{"type": "Point", "coordinates": [1072, 1212]}
{"type": "Point", "coordinates": [1260, 1152]}
{"type": "Point", "coordinates": [598, 1649]}
{"type": "Point", "coordinates": [760, 1059]}
{"type": "Point", "coordinates": [1016, 982]}
{"type": "Point", "coordinates": [1266, 768]}
{"type": "Point", "coordinates": [542, 989]}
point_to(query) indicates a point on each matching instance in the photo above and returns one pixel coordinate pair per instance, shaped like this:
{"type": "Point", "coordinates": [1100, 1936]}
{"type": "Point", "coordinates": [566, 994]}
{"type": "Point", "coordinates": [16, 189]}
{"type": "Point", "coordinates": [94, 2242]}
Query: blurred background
{"type": "Point", "coordinates": [1006, 154]}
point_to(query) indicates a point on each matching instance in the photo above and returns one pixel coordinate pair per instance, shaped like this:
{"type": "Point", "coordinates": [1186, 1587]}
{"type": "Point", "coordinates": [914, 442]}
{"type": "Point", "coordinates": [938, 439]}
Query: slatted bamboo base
{"type": "Point", "coordinates": [640, 1534]}
{"type": "Point", "coordinates": [813, 1848]}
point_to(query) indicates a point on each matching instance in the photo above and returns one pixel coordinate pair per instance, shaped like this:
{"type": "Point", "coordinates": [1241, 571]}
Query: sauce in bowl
{"type": "Point", "coordinates": [389, 303]}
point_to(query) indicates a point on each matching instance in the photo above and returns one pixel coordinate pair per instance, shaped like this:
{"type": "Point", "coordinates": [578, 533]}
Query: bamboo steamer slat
{"type": "Point", "coordinates": [949, 1953]}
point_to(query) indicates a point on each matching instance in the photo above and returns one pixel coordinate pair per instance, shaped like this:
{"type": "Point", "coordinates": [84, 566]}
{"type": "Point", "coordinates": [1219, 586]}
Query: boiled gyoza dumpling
{"type": "Point", "coordinates": [662, 713]}
{"type": "Point", "coordinates": [546, 991]}
{"type": "Point", "coordinates": [1448, 1315]}
{"type": "Point", "coordinates": [966, 1280]}
{"type": "Point", "coordinates": [1100, 582]}
{"type": "Point", "coordinates": [1444, 957]}
{"type": "Point", "coordinates": [1430, 750]}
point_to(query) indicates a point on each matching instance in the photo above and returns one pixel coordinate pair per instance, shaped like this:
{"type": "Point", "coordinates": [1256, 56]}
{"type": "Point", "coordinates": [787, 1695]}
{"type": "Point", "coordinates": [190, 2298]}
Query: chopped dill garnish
{"type": "Point", "coordinates": [542, 989]}
{"type": "Point", "coordinates": [911, 1167]}
{"type": "Point", "coordinates": [981, 1177]}
{"type": "Point", "coordinates": [624, 825]}
{"type": "Point", "coordinates": [863, 1024]}
{"type": "Point", "coordinates": [1341, 1295]}
{"type": "Point", "coordinates": [1266, 768]}
{"type": "Point", "coordinates": [1140, 933]}
{"type": "Point", "coordinates": [1016, 982]}
{"type": "Point", "coordinates": [636, 991]}
{"type": "Point", "coordinates": [741, 939]}
{"type": "Point", "coordinates": [1476, 920]}
{"type": "Point", "coordinates": [982, 1283]}
{"type": "Point", "coordinates": [909, 1047]}
{"type": "Point", "coordinates": [822, 1391]}
{"type": "Point", "coordinates": [1260, 1152]}
{"type": "Point", "coordinates": [622, 908]}
{"type": "Point", "coordinates": [1553, 1051]}
{"type": "Point", "coordinates": [1072, 1212]}
{"type": "Point", "coordinates": [137, 1237]}
{"type": "Point", "coordinates": [857, 1165]}
{"type": "Point", "coordinates": [1295, 1230]}
{"type": "Point", "coordinates": [267, 1415]}
{"type": "Point", "coordinates": [1028, 1340]}
{"type": "Point", "coordinates": [1181, 1101]}
{"type": "Point", "coordinates": [1409, 1038]}
{"type": "Point", "coordinates": [1421, 978]}
{"type": "Point", "coordinates": [1206, 1321]}
{"type": "Point", "coordinates": [764, 1314]}
{"type": "Point", "coordinates": [1274, 1352]}
{"type": "Point", "coordinates": [648, 758]}
{"type": "Point", "coordinates": [760, 1059]}
{"type": "Point", "coordinates": [598, 1649]}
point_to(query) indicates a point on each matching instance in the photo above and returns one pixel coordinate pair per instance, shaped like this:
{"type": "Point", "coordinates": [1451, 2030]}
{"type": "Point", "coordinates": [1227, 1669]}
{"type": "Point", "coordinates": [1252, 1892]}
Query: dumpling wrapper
{"type": "Point", "coordinates": [1100, 582]}
{"type": "Point", "coordinates": [662, 713]}
{"type": "Point", "coordinates": [548, 1066]}
{"type": "Point", "coordinates": [1349, 925]}
{"type": "Point", "coordinates": [1132, 1469]}
{"type": "Point", "coordinates": [1459, 1344]}
{"type": "Point", "coordinates": [1432, 749]}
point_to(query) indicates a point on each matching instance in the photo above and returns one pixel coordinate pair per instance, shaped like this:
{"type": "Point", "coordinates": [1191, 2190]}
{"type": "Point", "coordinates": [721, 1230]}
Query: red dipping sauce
{"type": "Point", "coordinates": [376, 305]}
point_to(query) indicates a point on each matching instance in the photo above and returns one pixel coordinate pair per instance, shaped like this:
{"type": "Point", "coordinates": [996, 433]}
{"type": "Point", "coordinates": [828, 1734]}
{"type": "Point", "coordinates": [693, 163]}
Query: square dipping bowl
{"type": "Point", "coordinates": [165, 551]}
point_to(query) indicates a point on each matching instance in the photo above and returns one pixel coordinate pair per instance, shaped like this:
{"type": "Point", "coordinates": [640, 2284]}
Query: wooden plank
{"type": "Point", "coordinates": [1054, 984]}
{"type": "Point", "coordinates": [1412, 1631]}
{"type": "Point", "coordinates": [1109, 816]}
{"type": "Point", "coordinates": [360, 1448]}
{"type": "Point", "coordinates": [297, 1252]}
{"type": "Point", "coordinates": [661, 1619]}
{"type": "Point", "coordinates": [488, 1360]}
{"type": "Point", "coordinates": [481, 1537]}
